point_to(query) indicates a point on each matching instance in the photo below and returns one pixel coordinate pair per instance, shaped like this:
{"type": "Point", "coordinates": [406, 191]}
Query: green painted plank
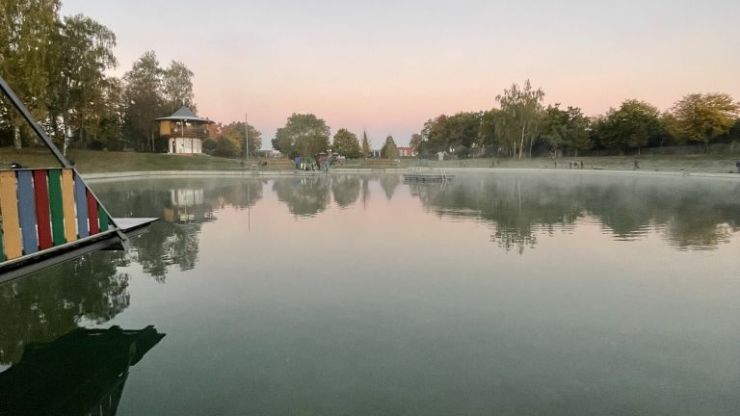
{"type": "Point", "coordinates": [57, 210]}
{"type": "Point", "coordinates": [103, 217]}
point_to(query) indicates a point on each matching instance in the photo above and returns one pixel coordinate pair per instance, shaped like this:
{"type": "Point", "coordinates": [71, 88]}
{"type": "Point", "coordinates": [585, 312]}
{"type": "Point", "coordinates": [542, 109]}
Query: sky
{"type": "Point", "coordinates": [387, 67]}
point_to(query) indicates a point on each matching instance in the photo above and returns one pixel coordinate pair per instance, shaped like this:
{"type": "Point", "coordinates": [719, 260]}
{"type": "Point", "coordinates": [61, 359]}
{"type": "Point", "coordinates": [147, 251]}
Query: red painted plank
{"type": "Point", "coordinates": [43, 219]}
{"type": "Point", "coordinates": [92, 212]}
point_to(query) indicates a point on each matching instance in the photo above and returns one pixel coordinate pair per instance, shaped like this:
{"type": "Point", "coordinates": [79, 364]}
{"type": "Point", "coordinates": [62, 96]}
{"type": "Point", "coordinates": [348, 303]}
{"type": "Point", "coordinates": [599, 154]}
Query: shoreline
{"type": "Point", "coordinates": [127, 175]}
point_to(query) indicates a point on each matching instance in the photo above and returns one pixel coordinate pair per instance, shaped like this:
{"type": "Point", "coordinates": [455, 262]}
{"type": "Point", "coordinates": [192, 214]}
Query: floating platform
{"type": "Point", "coordinates": [427, 177]}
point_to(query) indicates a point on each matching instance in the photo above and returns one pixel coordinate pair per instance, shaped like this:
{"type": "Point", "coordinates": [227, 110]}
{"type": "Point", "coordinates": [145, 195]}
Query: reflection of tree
{"type": "Point", "coordinates": [346, 189]}
{"type": "Point", "coordinates": [305, 196]}
{"type": "Point", "coordinates": [389, 183]}
{"type": "Point", "coordinates": [521, 207]}
{"type": "Point", "coordinates": [167, 244]}
{"type": "Point", "coordinates": [183, 205]}
{"type": "Point", "coordinates": [365, 191]}
{"type": "Point", "coordinates": [52, 302]}
{"type": "Point", "coordinates": [240, 195]}
{"type": "Point", "coordinates": [80, 373]}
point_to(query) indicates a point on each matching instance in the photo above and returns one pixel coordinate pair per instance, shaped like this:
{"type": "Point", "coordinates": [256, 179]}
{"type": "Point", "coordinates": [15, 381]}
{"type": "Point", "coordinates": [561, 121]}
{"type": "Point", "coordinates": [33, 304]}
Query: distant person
{"type": "Point", "coordinates": [637, 165]}
{"type": "Point", "coordinates": [737, 165]}
{"type": "Point", "coordinates": [581, 164]}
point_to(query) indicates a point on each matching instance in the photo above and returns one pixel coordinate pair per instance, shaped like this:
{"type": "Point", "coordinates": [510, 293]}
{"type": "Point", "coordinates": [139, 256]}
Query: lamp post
{"type": "Point", "coordinates": [246, 137]}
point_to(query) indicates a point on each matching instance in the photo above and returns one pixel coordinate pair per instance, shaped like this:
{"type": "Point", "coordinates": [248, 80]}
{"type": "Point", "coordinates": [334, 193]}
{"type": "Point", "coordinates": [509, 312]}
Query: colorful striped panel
{"type": "Point", "coordinates": [92, 212]}
{"type": "Point", "coordinates": [68, 203]}
{"type": "Point", "coordinates": [9, 209]}
{"type": "Point", "coordinates": [43, 219]}
{"type": "Point", "coordinates": [81, 204]}
{"type": "Point", "coordinates": [56, 206]}
{"type": "Point", "coordinates": [27, 212]}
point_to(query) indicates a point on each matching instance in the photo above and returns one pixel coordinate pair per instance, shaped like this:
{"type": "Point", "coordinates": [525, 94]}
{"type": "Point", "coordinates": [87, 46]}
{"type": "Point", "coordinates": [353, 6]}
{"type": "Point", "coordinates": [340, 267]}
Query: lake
{"type": "Point", "coordinates": [526, 294]}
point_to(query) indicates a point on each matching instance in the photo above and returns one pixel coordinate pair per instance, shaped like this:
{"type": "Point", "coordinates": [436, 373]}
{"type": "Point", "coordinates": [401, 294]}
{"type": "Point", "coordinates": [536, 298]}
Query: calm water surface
{"type": "Point", "coordinates": [361, 295]}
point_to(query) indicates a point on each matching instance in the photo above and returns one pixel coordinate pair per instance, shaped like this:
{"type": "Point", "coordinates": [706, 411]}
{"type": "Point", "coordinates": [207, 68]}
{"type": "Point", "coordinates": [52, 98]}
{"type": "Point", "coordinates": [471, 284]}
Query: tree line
{"type": "Point", "coordinates": [59, 66]}
{"type": "Point", "coordinates": [308, 135]}
{"type": "Point", "coordinates": [522, 126]}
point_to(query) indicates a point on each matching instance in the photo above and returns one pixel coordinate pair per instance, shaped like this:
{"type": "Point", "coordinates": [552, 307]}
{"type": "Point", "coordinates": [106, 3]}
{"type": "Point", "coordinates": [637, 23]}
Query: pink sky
{"type": "Point", "coordinates": [388, 68]}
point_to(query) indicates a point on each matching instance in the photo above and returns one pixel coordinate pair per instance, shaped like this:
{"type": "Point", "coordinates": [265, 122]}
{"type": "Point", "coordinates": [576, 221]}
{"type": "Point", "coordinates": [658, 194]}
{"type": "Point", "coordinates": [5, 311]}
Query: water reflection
{"type": "Point", "coordinates": [80, 373]}
{"type": "Point", "coordinates": [688, 213]}
{"type": "Point", "coordinates": [53, 302]}
{"type": "Point", "coordinates": [346, 189]}
{"type": "Point", "coordinates": [305, 196]}
{"type": "Point", "coordinates": [183, 207]}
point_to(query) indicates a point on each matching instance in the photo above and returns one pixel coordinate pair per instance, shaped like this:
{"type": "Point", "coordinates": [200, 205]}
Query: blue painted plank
{"type": "Point", "coordinates": [27, 212]}
{"type": "Point", "coordinates": [83, 229]}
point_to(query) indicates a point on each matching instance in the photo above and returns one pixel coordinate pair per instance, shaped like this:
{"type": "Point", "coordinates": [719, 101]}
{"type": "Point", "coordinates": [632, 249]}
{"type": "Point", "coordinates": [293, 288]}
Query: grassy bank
{"type": "Point", "coordinates": [704, 163]}
{"type": "Point", "coordinates": [88, 161]}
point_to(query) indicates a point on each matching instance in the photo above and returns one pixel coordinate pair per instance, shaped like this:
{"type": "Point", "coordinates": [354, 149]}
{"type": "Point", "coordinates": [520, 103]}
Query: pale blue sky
{"type": "Point", "coordinates": [388, 67]}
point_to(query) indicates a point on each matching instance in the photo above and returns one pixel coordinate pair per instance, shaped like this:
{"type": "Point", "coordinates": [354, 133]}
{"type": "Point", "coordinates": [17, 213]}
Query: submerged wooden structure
{"type": "Point", "coordinates": [50, 215]}
{"type": "Point", "coordinates": [427, 177]}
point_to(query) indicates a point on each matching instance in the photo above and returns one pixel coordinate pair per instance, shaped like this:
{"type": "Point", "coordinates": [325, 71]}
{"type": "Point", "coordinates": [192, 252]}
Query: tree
{"type": "Point", "coordinates": [227, 147]}
{"type": "Point", "coordinates": [236, 134]}
{"type": "Point", "coordinates": [303, 135]}
{"type": "Point", "coordinates": [521, 110]}
{"type": "Point", "coordinates": [177, 82]}
{"type": "Point", "coordinates": [143, 98]}
{"type": "Point", "coordinates": [389, 150]}
{"type": "Point", "coordinates": [565, 129]}
{"type": "Point", "coordinates": [346, 144]}
{"type": "Point", "coordinates": [631, 126]}
{"type": "Point", "coordinates": [365, 145]}
{"type": "Point", "coordinates": [704, 117]}
{"type": "Point", "coordinates": [85, 98]}
{"type": "Point", "coordinates": [415, 142]}
{"type": "Point", "coordinates": [27, 29]}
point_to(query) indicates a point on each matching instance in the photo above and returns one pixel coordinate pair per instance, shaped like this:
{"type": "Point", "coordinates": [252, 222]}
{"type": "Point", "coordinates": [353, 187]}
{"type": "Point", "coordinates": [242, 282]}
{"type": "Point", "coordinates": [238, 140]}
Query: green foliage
{"type": "Point", "coordinates": [209, 146]}
{"type": "Point", "coordinates": [236, 133]}
{"type": "Point", "coordinates": [346, 144]}
{"type": "Point", "coordinates": [456, 134]}
{"type": "Point", "coordinates": [565, 129]}
{"type": "Point", "coordinates": [143, 101]}
{"type": "Point", "coordinates": [177, 83]}
{"type": "Point", "coordinates": [415, 142]}
{"type": "Point", "coordinates": [389, 150]}
{"type": "Point", "coordinates": [704, 117]}
{"type": "Point", "coordinates": [147, 95]}
{"type": "Point", "coordinates": [303, 135]}
{"type": "Point", "coordinates": [227, 147]}
{"type": "Point", "coordinates": [365, 145]}
{"type": "Point", "coordinates": [631, 126]}
{"type": "Point", "coordinates": [519, 118]}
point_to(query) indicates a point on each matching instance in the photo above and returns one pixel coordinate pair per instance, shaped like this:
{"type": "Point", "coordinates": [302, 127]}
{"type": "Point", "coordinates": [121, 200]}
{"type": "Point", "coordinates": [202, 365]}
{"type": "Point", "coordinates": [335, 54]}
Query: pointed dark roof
{"type": "Point", "coordinates": [184, 113]}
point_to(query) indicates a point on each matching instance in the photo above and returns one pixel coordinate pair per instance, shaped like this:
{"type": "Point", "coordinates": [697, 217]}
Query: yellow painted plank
{"type": "Point", "coordinates": [68, 205]}
{"type": "Point", "coordinates": [11, 221]}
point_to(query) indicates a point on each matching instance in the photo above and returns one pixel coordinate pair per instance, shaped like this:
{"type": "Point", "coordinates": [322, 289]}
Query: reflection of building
{"type": "Point", "coordinates": [81, 373]}
{"type": "Point", "coordinates": [406, 152]}
{"type": "Point", "coordinates": [187, 206]}
{"type": "Point", "coordinates": [185, 132]}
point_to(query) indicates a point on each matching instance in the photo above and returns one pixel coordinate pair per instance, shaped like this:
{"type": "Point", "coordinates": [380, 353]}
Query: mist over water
{"type": "Point", "coordinates": [359, 294]}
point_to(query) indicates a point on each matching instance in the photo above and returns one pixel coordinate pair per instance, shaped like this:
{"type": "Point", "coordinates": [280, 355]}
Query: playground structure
{"type": "Point", "coordinates": [50, 215]}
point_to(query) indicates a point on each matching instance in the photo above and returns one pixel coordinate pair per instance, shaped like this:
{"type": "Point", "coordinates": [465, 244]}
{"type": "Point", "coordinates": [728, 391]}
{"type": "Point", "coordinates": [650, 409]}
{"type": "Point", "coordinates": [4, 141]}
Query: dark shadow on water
{"type": "Point", "coordinates": [80, 373]}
